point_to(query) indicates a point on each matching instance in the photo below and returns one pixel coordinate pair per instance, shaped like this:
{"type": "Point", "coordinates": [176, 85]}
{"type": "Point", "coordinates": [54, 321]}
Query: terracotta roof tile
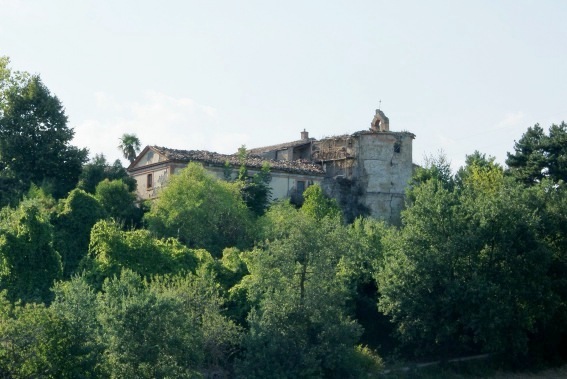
{"type": "Point", "coordinates": [252, 161]}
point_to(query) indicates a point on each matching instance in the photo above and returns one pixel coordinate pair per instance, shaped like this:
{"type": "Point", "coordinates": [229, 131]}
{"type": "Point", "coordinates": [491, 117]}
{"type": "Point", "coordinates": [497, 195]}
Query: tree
{"type": "Point", "coordinates": [99, 169]}
{"type": "Point", "coordinates": [118, 202]}
{"type": "Point", "coordinates": [75, 305]}
{"type": "Point", "coordinates": [317, 205]}
{"type": "Point", "coordinates": [112, 249]}
{"type": "Point", "coordinates": [130, 146]}
{"type": "Point", "coordinates": [34, 137]}
{"type": "Point", "coordinates": [549, 202]}
{"type": "Point", "coordinates": [357, 268]}
{"type": "Point", "coordinates": [256, 190]}
{"type": "Point", "coordinates": [538, 155]}
{"type": "Point", "coordinates": [73, 223]}
{"type": "Point", "coordinates": [468, 270]}
{"type": "Point", "coordinates": [475, 162]}
{"type": "Point", "coordinates": [201, 211]}
{"type": "Point", "coordinates": [28, 262]}
{"type": "Point", "coordinates": [167, 328]}
{"type": "Point", "coordinates": [437, 170]}
{"type": "Point", "coordinates": [33, 342]}
{"type": "Point", "coordinates": [147, 335]}
{"type": "Point", "coordinates": [298, 324]}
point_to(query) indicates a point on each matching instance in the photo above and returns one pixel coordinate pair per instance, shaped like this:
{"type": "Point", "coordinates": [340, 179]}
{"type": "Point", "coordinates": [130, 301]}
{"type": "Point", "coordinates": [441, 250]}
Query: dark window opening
{"type": "Point", "coordinates": [300, 186]}
{"type": "Point", "coordinates": [150, 181]}
{"type": "Point", "coordinates": [397, 147]}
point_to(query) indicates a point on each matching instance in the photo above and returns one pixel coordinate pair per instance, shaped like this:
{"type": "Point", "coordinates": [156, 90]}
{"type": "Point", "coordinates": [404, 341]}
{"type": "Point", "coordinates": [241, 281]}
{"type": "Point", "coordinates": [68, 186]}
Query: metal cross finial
{"type": "Point", "coordinates": [379, 104]}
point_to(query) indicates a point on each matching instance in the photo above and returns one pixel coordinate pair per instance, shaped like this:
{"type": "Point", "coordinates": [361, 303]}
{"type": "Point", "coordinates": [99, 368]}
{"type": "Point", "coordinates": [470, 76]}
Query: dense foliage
{"type": "Point", "coordinates": [28, 262]}
{"type": "Point", "coordinates": [216, 281]}
{"type": "Point", "coordinates": [34, 138]}
{"type": "Point", "coordinates": [201, 211]}
{"type": "Point", "coordinates": [467, 273]}
{"type": "Point", "coordinates": [98, 169]}
{"type": "Point", "coordinates": [538, 155]}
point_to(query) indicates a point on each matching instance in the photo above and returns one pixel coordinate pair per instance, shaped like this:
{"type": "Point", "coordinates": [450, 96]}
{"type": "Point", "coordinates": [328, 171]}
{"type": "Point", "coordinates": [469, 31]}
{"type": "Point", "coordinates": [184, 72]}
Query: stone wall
{"type": "Point", "coordinates": [367, 172]}
{"type": "Point", "coordinates": [384, 168]}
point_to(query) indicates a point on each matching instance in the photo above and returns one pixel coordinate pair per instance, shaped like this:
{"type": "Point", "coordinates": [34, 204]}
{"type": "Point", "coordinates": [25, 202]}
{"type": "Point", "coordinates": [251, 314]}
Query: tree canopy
{"type": "Point", "coordinates": [34, 136]}
{"type": "Point", "coordinates": [130, 146]}
{"type": "Point", "coordinates": [29, 264]}
{"type": "Point", "coordinates": [201, 211]}
{"type": "Point", "coordinates": [468, 272]}
{"type": "Point", "coordinates": [216, 281]}
{"type": "Point", "coordinates": [298, 299]}
{"type": "Point", "coordinates": [538, 155]}
{"type": "Point", "coordinates": [98, 169]}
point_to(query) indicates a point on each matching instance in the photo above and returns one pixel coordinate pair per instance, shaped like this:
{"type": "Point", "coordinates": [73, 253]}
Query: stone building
{"type": "Point", "coordinates": [155, 164]}
{"type": "Point", "coordinates": [367, 171]}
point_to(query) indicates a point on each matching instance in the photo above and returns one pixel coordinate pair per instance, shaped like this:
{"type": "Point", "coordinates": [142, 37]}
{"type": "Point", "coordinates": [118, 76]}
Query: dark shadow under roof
{"type": "Point", "coordinates": [281, 146]}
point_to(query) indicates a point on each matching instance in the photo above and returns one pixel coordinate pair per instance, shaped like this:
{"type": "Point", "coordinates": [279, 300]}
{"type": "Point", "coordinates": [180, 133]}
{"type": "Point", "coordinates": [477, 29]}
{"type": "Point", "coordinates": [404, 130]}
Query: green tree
{"type": "Point", "coordinates": [538, 155]}
{"type": "Point", "coordinates": [548, 200]}
{"type": "Point", "coordinates": [476, 161]}
{"type": "Point", "coordinates": [34, 138]}
{"type": "Point", "coordinates": [118, 202]}
{"type": "Point", "coordinates": [147, 335]}
{"type": "Point", "coordinates": [255, 189]}
{"type": "Point", "coordinates": [33, 342]}
{"type": "Point", "coordinates": [73, 223]}
{"type": "Point", "coordinates": [75, 305]}
{"type": "Point", "coordinates": [130, 146]}
{"type": "Point", "coordinates": [164, 328]}
{"type": "Point", "coordinates": [111, 249]}
{"type": "Point", "coordinates": [201, 211]}
{"type": "Point", "coordinates": [365, 236]}
{"type": "Point", "coordinates": [317, 205]}
{"type": "Point", "coordinates": [298, 324]}
{"type": "Point", "coordinates": [99, 169]}
{"type": "Point", "coordinates": [467, 272]}
{"type": "Point", "coordinates": [28, 262]}
{"type": "Point", "coordinates": [436, 167]}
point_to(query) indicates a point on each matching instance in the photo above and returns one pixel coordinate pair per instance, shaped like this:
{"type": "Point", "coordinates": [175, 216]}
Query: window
{"type": "Point", "coordinates": [150, 181]}
{"type": "Point", "coordinates": [300, 186]}
{"type": "Point", "coordinates": [397, 147]}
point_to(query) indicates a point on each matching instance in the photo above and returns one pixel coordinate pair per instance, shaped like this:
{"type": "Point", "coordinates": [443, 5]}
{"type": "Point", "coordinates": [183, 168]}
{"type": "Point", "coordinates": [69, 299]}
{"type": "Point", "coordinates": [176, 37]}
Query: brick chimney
{"type": "Point", "coordinates": [304, 134]}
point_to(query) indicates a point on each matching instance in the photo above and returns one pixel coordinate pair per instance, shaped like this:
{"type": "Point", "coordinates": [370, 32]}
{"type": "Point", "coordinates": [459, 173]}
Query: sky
{"type": "Point", "coordinates": [216, 75]}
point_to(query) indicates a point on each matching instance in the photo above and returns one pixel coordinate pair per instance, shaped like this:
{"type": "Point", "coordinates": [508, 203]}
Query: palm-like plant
{"type": "Point", "coordinates": [130, 146]}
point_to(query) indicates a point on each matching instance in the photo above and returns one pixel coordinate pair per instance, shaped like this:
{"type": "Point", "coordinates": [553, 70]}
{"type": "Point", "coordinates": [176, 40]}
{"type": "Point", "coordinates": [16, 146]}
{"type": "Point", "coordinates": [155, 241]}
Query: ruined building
{"type": "Point", "coordinates": [367, 171]}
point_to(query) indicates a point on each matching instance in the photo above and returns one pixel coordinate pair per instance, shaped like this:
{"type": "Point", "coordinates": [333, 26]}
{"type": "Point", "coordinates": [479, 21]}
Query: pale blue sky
{"type": "Point", "coordinates": [460, 75]}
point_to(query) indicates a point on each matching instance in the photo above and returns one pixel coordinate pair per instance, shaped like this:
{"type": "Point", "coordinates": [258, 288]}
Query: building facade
{"type": "Point", "coordinates": [154, 165]}
{"type": "Point", "coordinates": [367, 171]}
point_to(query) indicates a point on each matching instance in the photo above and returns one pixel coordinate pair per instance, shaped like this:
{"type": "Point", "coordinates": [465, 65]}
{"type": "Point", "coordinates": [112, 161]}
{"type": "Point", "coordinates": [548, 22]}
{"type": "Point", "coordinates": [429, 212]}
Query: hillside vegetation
{"type": "Point", "coordinates": [211, 280]}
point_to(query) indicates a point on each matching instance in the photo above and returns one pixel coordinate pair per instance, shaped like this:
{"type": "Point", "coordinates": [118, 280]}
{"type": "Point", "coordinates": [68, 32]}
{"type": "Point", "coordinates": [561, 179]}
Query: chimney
{"type": "Point", "coordinates": [304, 134]}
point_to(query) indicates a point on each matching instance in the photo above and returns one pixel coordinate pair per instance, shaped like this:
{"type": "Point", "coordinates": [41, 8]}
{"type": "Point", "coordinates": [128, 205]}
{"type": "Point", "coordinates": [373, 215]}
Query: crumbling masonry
{"type": "Point", "coordinates": [367, 172]}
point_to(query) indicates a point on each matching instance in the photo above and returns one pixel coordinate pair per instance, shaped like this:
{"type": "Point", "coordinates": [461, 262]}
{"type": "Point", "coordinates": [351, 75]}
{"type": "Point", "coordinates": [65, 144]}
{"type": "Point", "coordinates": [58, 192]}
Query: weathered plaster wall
{"type": "Point", "coordinates": [149, 158]}
{"type": "Point", "coordinates": [384, 167]}
{"type": "Point", "coordinates": [159, 177]}
{"type": "Point", "coordinates": [367, 172]}
{"type": "Point", "coordinates": [283, 184]}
